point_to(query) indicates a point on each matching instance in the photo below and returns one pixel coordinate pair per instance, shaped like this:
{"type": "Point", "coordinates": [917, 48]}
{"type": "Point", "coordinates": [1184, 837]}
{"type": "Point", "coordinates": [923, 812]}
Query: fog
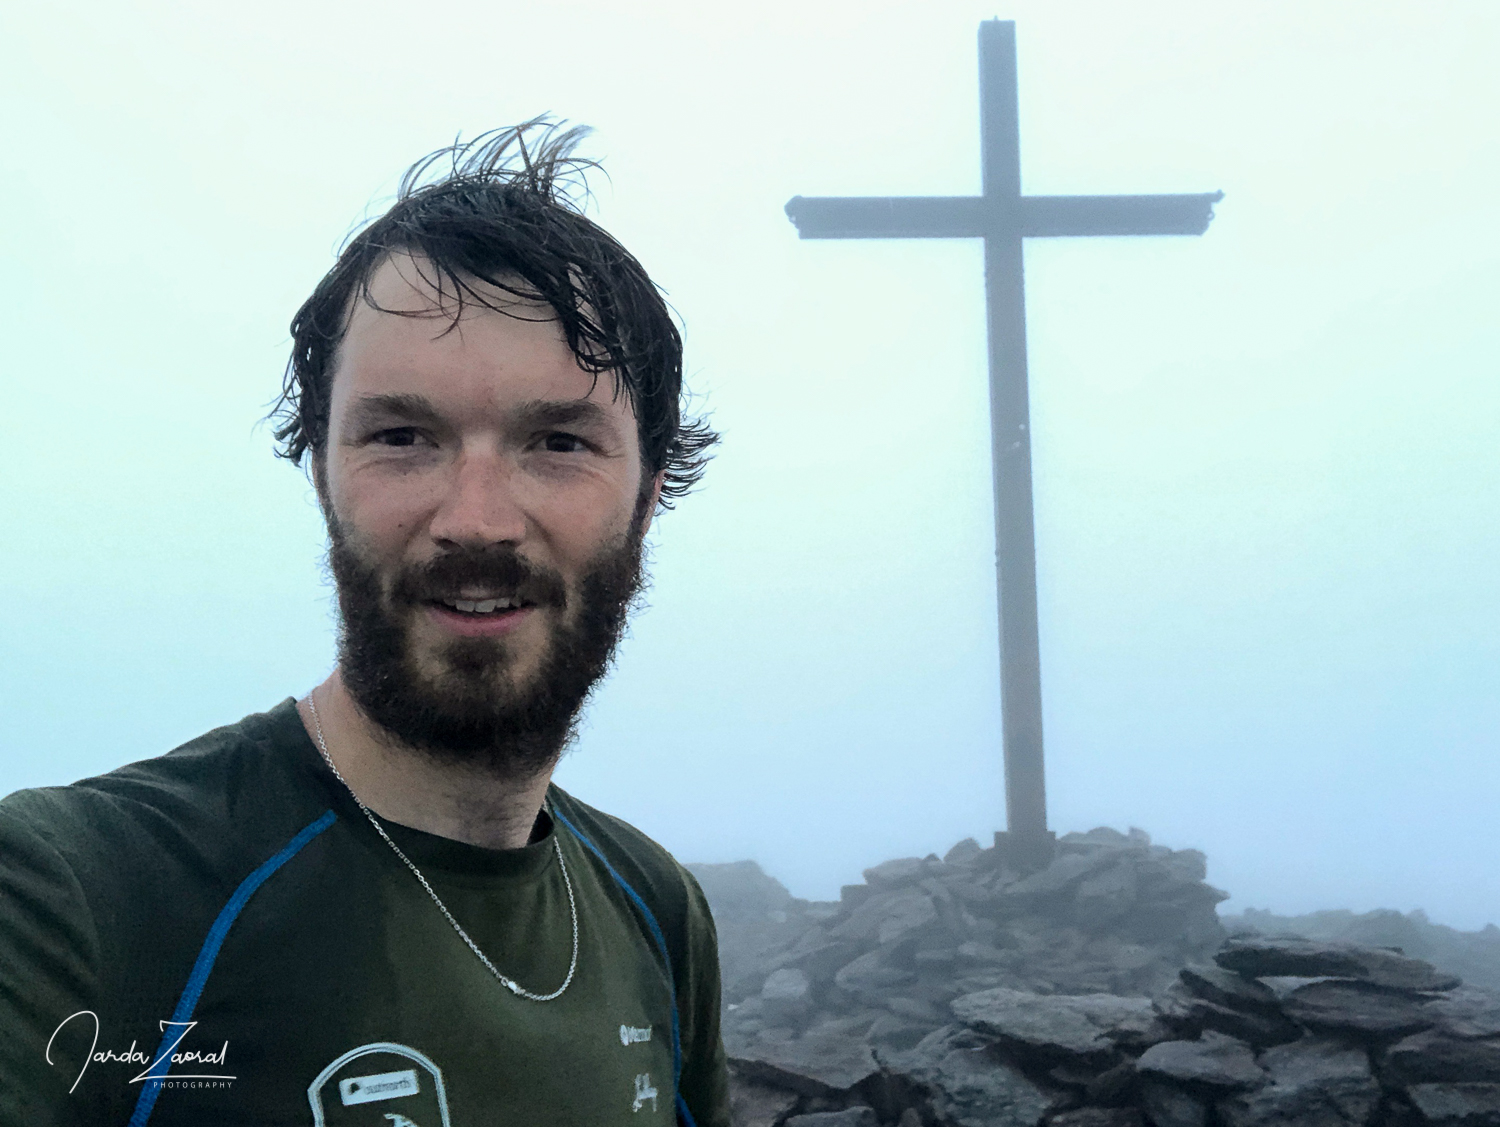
{"type": "Point", "coordinates": [1267, 460]}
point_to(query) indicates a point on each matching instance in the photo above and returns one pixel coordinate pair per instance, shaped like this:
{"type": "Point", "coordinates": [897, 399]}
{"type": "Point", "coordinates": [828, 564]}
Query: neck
{"type": "Point", "coordinates": [464, 802]}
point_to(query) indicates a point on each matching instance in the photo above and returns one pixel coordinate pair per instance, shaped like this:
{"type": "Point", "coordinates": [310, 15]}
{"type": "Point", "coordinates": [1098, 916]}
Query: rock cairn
{"type": "Point", "coordinates": [957, 993]}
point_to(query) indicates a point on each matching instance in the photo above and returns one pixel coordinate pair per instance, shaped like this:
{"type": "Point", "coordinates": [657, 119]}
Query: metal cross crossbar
{"type": "Point", "coordinates": [1003, 217]}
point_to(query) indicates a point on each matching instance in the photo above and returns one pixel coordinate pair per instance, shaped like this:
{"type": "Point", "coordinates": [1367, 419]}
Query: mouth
{"type": "Point", "coordinates": [479, 614]}
{"type": "Point", "coordinates": [498, 604]}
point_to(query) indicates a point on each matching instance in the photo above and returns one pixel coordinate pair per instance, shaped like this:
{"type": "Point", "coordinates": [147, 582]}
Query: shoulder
{"type": "Point", "coordinates": [203, 805]}
{"type": "Point", "coordinates": [670, 891]}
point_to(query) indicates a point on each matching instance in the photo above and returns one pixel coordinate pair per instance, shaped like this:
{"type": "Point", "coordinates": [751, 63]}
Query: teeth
{"type": "Point", "coordinates": [483, 606]}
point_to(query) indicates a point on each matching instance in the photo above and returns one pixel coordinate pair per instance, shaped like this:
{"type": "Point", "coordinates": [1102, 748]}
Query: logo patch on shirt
{"type": "Point", "coordinates": [634, 1035]}
{"type": "Point", "coordinates": [376, 1073]}
{"type": "Point", "coordinates": [381, 1086]}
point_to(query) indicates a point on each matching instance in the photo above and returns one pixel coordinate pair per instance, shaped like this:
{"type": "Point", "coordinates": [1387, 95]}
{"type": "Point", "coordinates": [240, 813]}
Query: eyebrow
{"type": "Point", "coordinates": [562, 412]}
{"type": "Point", "coordinates": [372, 410]}
{"type": "Point", "coordinates": [369, 410]}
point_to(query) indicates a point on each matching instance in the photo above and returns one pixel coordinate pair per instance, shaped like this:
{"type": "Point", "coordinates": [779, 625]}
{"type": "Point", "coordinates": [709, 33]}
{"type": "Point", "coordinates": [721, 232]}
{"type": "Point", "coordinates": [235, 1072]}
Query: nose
{"type": "Point", "coordinates": [479, 506]}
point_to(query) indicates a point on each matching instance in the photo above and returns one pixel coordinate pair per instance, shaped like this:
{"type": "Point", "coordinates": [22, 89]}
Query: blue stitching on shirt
{"type": "Point", "coordinates": [151, 1086]}
{"type": "Point", "coordinates": [661, 944]}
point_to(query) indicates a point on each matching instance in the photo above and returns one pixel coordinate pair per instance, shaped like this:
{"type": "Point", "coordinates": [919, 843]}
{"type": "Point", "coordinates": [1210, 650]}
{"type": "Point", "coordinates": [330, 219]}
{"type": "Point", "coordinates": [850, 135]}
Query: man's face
{"type": "Point", "coordinates": [485, 513]}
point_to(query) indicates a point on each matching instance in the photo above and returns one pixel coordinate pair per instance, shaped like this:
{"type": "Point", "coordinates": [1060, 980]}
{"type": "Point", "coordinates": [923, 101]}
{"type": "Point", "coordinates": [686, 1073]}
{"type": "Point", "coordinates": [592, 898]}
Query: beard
{"type": "Point", "coordinates": [465, 701]}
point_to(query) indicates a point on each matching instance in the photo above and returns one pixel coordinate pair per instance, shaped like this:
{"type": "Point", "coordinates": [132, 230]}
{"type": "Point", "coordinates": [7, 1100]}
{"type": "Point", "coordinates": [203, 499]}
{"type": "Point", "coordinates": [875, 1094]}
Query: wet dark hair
{"type": "Point", "coordinates": [506, 210]}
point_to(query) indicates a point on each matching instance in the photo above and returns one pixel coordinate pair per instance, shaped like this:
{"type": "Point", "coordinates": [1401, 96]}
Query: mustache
{"type": "Point", "coordinates": [497, 568]}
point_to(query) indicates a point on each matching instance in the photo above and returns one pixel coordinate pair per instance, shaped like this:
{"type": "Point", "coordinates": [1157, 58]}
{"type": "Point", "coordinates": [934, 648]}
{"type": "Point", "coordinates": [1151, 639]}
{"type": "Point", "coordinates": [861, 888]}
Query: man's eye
{"type": "Point", "coordinates": [564, 444]}
{"type": "Point", "coordinates": [396, 436]}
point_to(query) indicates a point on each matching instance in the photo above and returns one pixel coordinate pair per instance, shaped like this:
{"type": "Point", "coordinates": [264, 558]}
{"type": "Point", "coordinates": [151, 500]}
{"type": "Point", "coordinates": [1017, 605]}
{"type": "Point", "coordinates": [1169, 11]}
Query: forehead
{"type": "Point", "coordinates": [412, 332]}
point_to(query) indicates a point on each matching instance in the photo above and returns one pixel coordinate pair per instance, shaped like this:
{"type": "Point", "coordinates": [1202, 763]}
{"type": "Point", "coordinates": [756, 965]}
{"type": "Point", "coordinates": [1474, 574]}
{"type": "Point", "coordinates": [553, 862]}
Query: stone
{"type": "Point", "coordinates": [937, 964]}
{"type": "Point", "coordinates": [755, 916]}
{"type": "Point", "coordinates": [890, 874]}
{"type": "Point", "coordinates": [849, 1117]}
{"type": "Point", "coordinates": [870, 980]}
{"type": "Point", "coordinates": [854, 1026]}
{"type": "Point", "coordinates": [1467, 1012]}
{"type": "Point", "coordinates": [965, 853]}
{"type": "Point", "coordinates": [1169, 1106]}
{"type": "Point", "coordinates": [1356, 1007]}
{"type": "Point", "coordinates": [967, 1086]}
{"type": "Point", "coordinates": [1471, 1104]}
{"type": "Point", "coordinates": [1099, 835]}
{"type": "Point", "coordinates": [1061, 875]}
{"type": "Point", "coordinates": [1114, 1087]}
{"type": "Point", "coordinates": [917, 1009]}
{"type": "Point", "coordinates": [1258, 957]}
{"type": "Point", "coordinates": [1316, 1082]}
{"type": "Point", "coordinates": [1213, 1061]}
{"type": "Point", "coordinates": [1192, 1015]}
{"type": "Point", "coordinates": [908, 914]}
{"type": "Point", "coordinates": [817, 1064]}
{"type": "Point", "coordinates": [1434, 1056]}
{"type": "Point", "coordinates": [1104, 897]}
{"type": "Point", "coordinates": [752, 1104]}
{"type": "Point", "coordinates": [1226, 988]}
{"type": "Point", "coordinates": [977, 953]}
{"type": "Point", "coordinates": [887, 916]}
{"type": "Point", "coordinates": [897, 1032]}
{"type": "Point", "coordinates": [1073, 1073]}
{"type": "Point", "coordinates": [1057, 1024]}
{"type": "Point", "coordinates": [1096, 1117]}
{"type": "Point", "coordinates": [786, 997]}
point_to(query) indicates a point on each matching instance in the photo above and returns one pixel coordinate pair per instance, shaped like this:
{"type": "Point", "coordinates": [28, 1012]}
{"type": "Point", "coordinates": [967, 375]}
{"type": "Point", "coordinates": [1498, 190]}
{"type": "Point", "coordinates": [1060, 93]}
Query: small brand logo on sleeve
{"type": "Point", "coordinates": [634, 1035]}
{"type": "Point", "coordinates": [643, 1092]}
{"type": "Point", "coordinates": [381, 1086]}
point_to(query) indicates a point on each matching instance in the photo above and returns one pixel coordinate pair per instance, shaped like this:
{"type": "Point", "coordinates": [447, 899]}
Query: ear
{"type": "Point", "coordinates": [650, 496]}
{"type": "Point", "coordinates": [318, 471]}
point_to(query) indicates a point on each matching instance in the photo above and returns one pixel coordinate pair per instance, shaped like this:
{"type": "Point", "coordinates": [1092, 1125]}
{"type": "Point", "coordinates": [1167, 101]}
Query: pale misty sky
{"type": "Point", "coordinates": [1266, 460]}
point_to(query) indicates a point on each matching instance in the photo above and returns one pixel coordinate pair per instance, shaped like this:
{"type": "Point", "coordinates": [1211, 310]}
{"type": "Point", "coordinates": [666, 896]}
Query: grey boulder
{"type": "Point", "coordinates": [1096, 1117]}
{"type": "Point", "coordinates": [1167, 1105]}
{"type": "Point", "coordinates": [786, 997]}
{"type": "Point", "coordinates": [1467, 1012]}
{"type": "Point", "coordinates": [1458, 1105]}
{"type": "Point", "coordinates": [1316, 1082]}
{"type": "Point", "coordinates": [1226, 988]}
{"type": "Point", "coordinates": [849, 1117]}
{"type": "Point", "coordinates": [966, 1085]}
{"type": "Point", "coordinates": [752, 1104]}
{"type": "Point", "coordinates": [1358, 1008]}
{"type": "Point", "coordinates": [817, 1064]}
{"type": "Point", "coordinates": [1056, 1024]}
{"type": "Point", "coordinates": [1212, 1061]}
{"type": "Point", "coordinates": [1307, 958]}
{"type": "Point", "coordinates": [1432, 1056]}
{"type": "Point", "coordinates": [1192, 1015]}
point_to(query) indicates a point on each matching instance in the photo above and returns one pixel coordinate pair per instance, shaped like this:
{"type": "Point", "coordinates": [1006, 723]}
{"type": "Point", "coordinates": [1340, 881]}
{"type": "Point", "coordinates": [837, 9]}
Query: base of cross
{"type": "Point", "coordinates": [1025, 854]}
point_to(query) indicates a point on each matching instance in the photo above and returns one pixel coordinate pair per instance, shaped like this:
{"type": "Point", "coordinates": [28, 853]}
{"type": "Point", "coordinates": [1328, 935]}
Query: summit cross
{"type": "Point", "coordinates": [1003, 217]}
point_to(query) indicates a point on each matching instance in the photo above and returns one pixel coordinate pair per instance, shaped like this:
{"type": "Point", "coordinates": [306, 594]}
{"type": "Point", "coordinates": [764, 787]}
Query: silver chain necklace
{"type": "Point", "coordinates": [509, 983]}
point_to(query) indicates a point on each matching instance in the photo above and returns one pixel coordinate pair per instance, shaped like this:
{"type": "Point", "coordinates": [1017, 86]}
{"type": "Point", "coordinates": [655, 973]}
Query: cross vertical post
{"type": "Point", "coordinates": [1004, 218]}
{"type": "Point", "coordinates": [1010, 438]}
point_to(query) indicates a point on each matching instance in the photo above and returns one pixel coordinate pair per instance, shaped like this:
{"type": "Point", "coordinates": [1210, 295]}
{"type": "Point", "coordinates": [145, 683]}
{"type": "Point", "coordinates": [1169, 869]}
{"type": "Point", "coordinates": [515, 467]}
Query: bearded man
{"type": "Point", "coordinates": [371, 905]}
